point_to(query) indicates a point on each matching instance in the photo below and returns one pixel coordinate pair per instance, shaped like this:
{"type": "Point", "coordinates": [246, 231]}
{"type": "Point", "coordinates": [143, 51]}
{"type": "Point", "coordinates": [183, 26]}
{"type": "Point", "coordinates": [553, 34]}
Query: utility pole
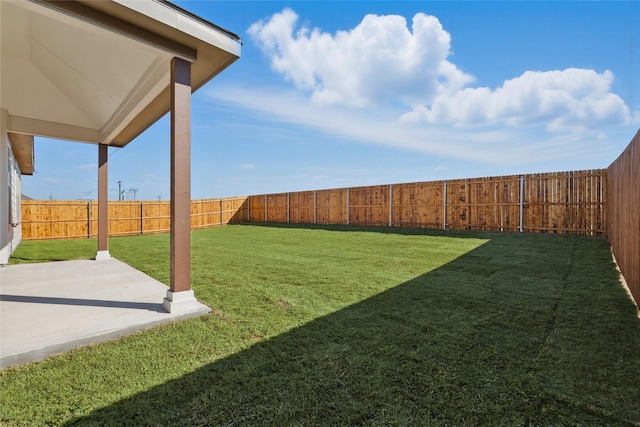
{"type": "Point", "coordinates": [133, 191]}
{"type": "Point", "coordinates": [119, 191]}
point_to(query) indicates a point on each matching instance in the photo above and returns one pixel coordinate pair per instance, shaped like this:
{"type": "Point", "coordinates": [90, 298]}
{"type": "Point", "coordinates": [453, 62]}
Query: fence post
{"type": "Point", "coordinates": [89, 216]}
{"type": "Point", "coordinates": [390, 205]}
{"type": "Point", "coordinates": [141, 217]}
{"type": "Point", "coordinates": [347, 206]}
{"type": "Point", "coordinates": [266, 208]}
{"type": "Point", "coordinates": [591, 210]}
{"type": "Point", "coordinates": [288, 207]}
{"type": "Point", "coordinates": [314, 207]}
{"type": "Point", "coordinates": [221, 213]}
{"type": "Point", "coordinates": [444, 206]}
{"type": "Point", "coordinates": [521, 203]}
{"type": "Point", "coordinates": [248, 208]}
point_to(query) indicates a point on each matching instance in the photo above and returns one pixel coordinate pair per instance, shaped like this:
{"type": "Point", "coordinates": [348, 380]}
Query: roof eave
{"type": "Point", "coordinates": [22, 148]}
{"type": "Point", "coordinates": [160, 23]}
{"type": "Point", "coordinates": [160, 106]}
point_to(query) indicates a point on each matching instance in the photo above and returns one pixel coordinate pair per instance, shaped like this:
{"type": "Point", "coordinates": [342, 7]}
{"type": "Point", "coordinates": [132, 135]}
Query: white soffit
{"type": "Point", "coordinates": [66, 77]}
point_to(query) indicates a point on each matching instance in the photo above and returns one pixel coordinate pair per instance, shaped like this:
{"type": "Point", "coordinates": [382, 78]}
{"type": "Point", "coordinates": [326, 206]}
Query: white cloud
{"type": "Point", "coordinates": [564, 100]}
{"type": "Point", "coordinates": [488, 145]}
{"type": "Point", "coordinates": [247, 166]}
{"type": "Point", "coordinates": [379, 60]}
{"type": "Point", "coordinates": [382, 62]}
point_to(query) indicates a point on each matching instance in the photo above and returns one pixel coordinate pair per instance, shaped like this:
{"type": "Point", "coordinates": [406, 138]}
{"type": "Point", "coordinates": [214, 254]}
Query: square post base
{"type": "Point", "coordinates": [102, 255]}
{"type": "Point", "coordinates": [180, 302]}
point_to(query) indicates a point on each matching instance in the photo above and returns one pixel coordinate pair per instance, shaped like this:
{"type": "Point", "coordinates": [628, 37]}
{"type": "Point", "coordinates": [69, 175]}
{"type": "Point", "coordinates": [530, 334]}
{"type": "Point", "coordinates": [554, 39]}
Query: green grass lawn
{"type": "Point", "coordinates": [353, 326]}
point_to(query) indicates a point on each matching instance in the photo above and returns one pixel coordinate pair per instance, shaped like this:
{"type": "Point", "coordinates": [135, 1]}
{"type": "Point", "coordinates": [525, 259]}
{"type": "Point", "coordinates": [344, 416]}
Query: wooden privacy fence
{"type": "Point", "coordinates": [562, 202]}
{"type": "Point", "coordinates": [623, 220]}
{"type": "Point", "coordinates": [44, 219]}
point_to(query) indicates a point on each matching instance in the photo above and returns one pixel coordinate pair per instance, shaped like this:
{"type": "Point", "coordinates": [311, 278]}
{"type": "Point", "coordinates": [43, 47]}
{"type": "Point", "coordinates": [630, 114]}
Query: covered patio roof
{"type": "Point", "coordinates": [99, 71]}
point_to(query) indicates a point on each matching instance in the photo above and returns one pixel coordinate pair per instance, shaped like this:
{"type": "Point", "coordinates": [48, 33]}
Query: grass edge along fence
{"type": "Point", "coordinates": [560, 202]}
{"type": "Point", "coordinates": [623, 219]}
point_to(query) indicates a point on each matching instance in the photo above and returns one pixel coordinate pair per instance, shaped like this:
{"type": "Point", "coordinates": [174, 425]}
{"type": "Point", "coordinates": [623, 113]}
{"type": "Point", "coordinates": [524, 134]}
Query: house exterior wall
{"type": "Point", "coordinates": [10, 195]}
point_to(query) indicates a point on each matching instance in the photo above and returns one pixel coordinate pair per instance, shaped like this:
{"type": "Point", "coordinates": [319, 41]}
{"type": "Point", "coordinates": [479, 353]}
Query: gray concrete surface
{"type": "Point", "coordinates": [53, 307]}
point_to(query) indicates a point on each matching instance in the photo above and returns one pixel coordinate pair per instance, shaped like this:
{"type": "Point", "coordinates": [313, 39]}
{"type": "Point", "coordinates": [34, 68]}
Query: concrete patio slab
{"type": "Point", "coordinates": [53, 307]}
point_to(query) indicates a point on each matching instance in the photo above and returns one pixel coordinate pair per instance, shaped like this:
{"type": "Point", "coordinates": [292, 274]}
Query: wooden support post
{"type": "Point", "coordinates": [180, 175]}
{"type": "Point", "coordinates": [103, 202]}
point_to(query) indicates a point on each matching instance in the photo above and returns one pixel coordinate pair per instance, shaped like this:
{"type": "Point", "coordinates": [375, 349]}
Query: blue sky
{"type": "Point", "coordinates": [333, 94]}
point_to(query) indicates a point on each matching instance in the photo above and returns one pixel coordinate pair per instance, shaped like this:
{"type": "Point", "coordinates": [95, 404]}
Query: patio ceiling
{"type": "Point", "coordinates": [99, 71]}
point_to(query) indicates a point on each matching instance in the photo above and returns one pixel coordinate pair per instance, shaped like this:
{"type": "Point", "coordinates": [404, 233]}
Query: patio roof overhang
{"type": "Point", "coordinates": [22, 148]}
{"type": "Point", "coordinates": [101, 72]}
{"type": "Point", "coordinates": [98, 71]}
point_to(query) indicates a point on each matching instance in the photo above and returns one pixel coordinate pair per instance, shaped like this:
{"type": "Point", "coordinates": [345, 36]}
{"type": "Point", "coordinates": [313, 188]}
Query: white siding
{"type": "Point", "coordinates": [15, 190]}
{"type": "Point", "coordinates": [10, 196]}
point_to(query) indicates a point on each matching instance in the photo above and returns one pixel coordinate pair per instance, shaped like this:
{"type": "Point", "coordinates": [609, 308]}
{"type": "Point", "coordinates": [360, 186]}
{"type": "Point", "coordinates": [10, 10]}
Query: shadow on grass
{"type": "Point", "coordinates": [481, 340]}
{"type": "Point", "coordinates": [405, 231]}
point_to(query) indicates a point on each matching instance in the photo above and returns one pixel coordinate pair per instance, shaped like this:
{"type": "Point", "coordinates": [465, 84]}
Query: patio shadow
{"type": "Point", "coordinates": [83, 302]}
